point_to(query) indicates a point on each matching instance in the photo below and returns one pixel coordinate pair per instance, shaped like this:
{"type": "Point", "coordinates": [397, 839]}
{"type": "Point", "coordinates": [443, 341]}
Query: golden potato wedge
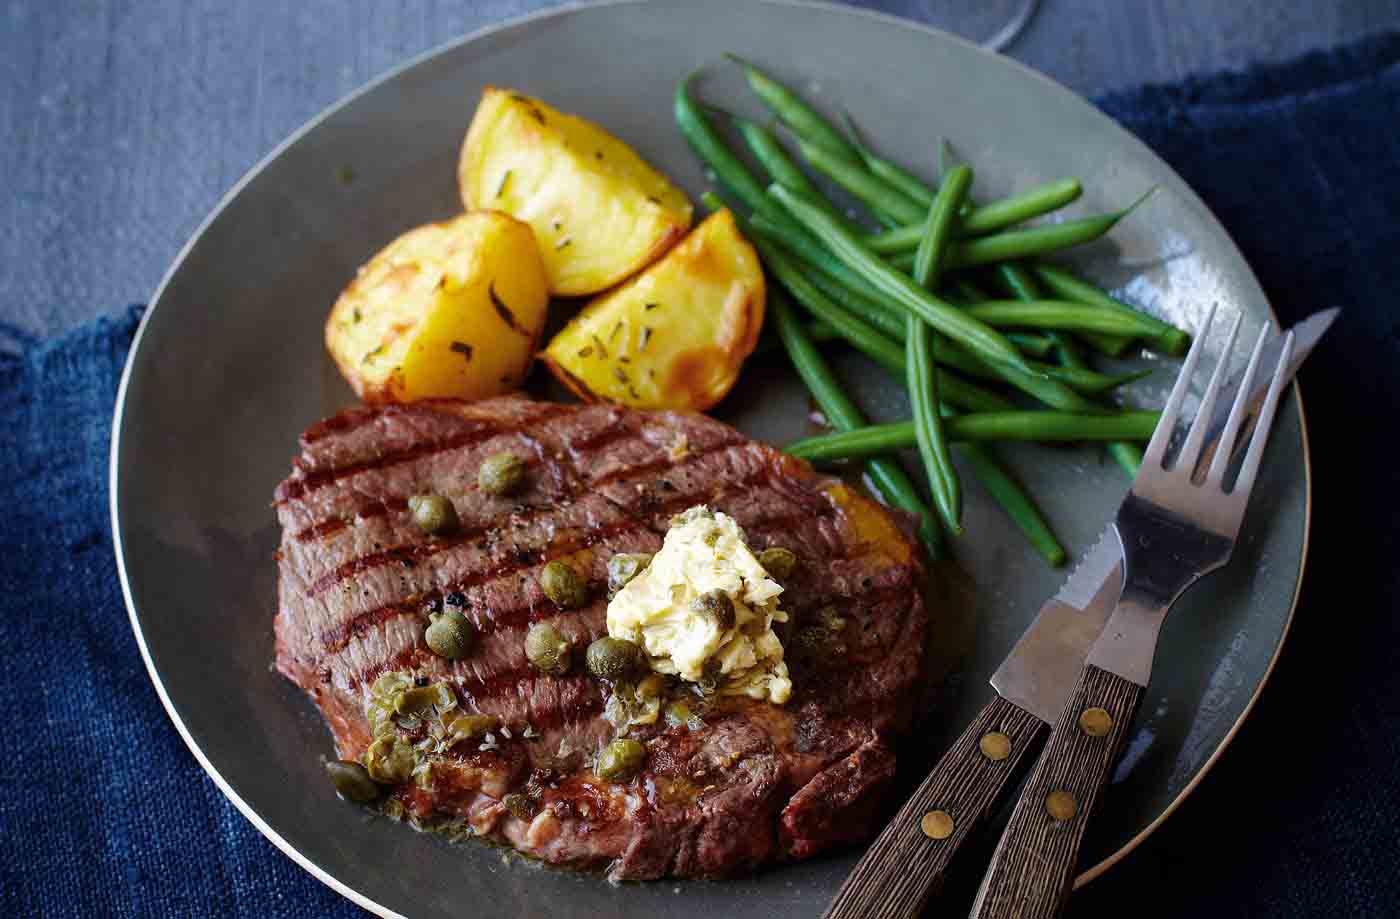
{"type": "Point", "coordinates": [447, 309]}
{"type": "Point", "coordinates": [676, 335]}
{"type": "Point", "coordinates": [599, 211]}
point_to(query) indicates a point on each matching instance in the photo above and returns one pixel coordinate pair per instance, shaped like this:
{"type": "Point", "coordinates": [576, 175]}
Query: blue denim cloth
{"type": "Point", "coordinates": [105, 813]}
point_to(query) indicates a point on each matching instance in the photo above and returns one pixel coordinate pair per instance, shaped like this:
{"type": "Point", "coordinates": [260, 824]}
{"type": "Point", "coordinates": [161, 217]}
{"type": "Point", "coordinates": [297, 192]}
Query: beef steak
{"type": "Point", "coordinates": [746, 782]}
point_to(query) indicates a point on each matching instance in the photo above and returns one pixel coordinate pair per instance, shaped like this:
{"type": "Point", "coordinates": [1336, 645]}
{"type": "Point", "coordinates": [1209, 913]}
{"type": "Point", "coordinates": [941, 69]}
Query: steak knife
{"type": "Point", "coordinates": [908, 860]}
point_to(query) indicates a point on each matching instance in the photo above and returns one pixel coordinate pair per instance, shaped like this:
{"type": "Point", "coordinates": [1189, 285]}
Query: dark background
{"type": "Point", "coordinates": [123, 123]}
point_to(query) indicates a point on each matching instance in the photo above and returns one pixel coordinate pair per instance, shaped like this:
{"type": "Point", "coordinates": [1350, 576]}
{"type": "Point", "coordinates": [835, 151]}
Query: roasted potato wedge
{"type": "Point", "coordinates": [599, 211]}
{"type": "Point", "coordinates": [447, 309]}
{"type": "Point", "coordinates": [676, 335]}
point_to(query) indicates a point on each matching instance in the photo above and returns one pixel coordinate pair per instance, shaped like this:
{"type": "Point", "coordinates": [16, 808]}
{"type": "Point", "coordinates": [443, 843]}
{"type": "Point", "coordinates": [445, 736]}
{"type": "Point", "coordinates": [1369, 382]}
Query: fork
{"type": "Point", "coordinates": [1175, 525]}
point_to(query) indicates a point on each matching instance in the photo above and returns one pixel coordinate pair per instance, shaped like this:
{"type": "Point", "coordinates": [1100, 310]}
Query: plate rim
{"type": "Point", "coordinates": [564, 9]}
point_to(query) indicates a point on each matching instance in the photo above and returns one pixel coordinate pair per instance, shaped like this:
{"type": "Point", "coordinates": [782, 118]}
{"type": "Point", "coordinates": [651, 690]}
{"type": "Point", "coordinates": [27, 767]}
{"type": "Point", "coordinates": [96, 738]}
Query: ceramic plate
{"type": "Point", "coordinates": [229, 367]}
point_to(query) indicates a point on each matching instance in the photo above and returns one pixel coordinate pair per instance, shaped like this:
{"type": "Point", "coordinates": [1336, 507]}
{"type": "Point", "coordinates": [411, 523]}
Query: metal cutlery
{"type": "Point", "coordinates": [1174, 526]}
{"type": "Point", "coordinates": [907, 861]}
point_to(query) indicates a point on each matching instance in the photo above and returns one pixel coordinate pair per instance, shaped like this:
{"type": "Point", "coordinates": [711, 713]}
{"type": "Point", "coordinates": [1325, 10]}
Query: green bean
{"type": "Point", "coordinates": [944, 317]}
{"type": "Point", "coordinates": [794, 112]}
{"type": "Point", "coordinates": [791, 236]}
{"type": "Point", "coordinates": [1159, 335]}
{"type": "Point", "coordinates": [1107, 345]}
{"type": "Point", "coordinates": [1031, 345]}
{"type": "Point", "coordinates": [708, 145]}
{"type": "Point", "coordinates": [922, 379]}
{"type": "Point", "coordinates": [938, 227]}
{"type": "Point", "coordinates": [885, 472]}
{"type": "Point", "coordinates": [1079, 379]}
{"type": "Point", "coordinates": [1023, 284]}
{"type": "Point", "coordinates": [868, 188]}
{"type": "Point", "coordinates": [1013, 499]}
{"type": "Point", "coordinates": [987, 218]}
{"type": "Point", "coordinates": [772, 157]}
{"type": "Point", "coordinates": [867, 340]}
{"type": "Point", "coordinates": [908, 183]}
{"type": "Point", "coordinates": [1014, 244]}
{"type": "Point", "coordinates": [1033, 426]}
{"type": "Point", "coordinates": [1063, 315]}
{"type": "Point", "coordinates": [889, 322]}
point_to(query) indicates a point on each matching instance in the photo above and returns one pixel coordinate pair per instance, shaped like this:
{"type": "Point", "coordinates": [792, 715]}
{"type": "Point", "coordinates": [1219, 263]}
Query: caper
{"type": "Point", "coordinates": [352, 781]}
{"type": "Point", "coordinates": [434, 514]}
{"type": "Point", "coordinates": [620, 760]}
{"type": "Point", "coordinates": [625, 566]}
{"type": "Point", "coordinates": [716, 606]}
{"type": "Point", "coordinates": [831, 620]}
{"type": "Point", "coordinates": [420, 700]}
{"type": "Point", "coordinates": [520, 806]}
{"type": "Point", "coordinates": [677, 713]}
{"type": "Point", "coordinates": [450, 635]}
{"type": "Point", "coordinates": [463, 726]}
{"type": "Point", "coordinates": [777, 561]}
{"type": "Point", "coordinates": [500, 473]}
{"type": "Point", "coordinates": [562, 584]}
{"type": "Point", "coordinates": [390, 761]}
{"type": "Point", "coordinates": [546, 649]}
{"type": "Point", "coordinates": [614, 658]}
{"type": "Point", "coordinates": [652, 686]}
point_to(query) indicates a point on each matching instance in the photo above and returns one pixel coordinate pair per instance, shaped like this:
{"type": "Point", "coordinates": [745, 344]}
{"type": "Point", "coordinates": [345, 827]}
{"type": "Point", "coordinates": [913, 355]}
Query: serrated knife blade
{"type": "Point", "coordinates": [1040, 673]}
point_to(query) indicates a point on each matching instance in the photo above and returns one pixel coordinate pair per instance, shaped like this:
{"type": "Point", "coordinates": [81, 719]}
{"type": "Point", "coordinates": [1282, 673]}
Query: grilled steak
{"type": "Point", "coordinates": [746, 782]}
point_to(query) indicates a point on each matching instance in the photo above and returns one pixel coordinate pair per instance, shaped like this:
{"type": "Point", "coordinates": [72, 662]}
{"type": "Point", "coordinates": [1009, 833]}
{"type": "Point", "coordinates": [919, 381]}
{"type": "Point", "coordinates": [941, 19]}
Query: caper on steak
{"type": "Point", "coordinates": [500, 474]}
{"type": "Point", "coordinates": [777, 561]}
{"type": "Point", "coordinates": [352, 781]}
{"type": "Point", "coordinates": [450, 635]}
{"type": "Point", "coordinates": [562, 584]}
{"type": "Point", "coordinates": [623, 567]}
{"type": "Point", "coordinates": [433, 514]}
{"type": "Point", "coordinates": [614, 658]}
{"type": "Point", "coordinates": [546, 649]}
{"type": "Point", "coordinates": [620, 760]}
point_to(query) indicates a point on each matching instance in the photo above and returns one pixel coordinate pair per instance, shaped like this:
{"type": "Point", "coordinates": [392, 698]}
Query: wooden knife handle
{"type": "Point", "coordinates": [1032, 869]}
{"type": "Point", "coordinates": [908, 859]}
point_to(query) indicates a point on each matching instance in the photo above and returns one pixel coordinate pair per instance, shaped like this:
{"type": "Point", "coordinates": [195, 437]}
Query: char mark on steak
{"type": "Point", "coordinates": [741, 784]}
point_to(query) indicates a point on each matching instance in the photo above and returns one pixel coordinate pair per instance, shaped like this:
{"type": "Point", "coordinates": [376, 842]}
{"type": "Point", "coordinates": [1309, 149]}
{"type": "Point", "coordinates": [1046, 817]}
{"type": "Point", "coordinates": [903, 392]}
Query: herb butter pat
{"type": "Point", "coordinates": [704, 609]}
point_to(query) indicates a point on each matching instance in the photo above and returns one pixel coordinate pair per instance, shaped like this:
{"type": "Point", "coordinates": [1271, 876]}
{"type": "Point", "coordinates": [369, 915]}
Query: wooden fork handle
{"type": "Point", "coordinates": [1032, 869]}
{"type": "Point", "coordinates": [907, 861]}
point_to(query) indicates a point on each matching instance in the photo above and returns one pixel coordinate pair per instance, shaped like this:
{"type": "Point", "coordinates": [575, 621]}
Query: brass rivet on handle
{"type": "Point", "coordinates": [937, 825]}
{"type": "Point", "coordinates": [1061, 805]}
{"type": "Point", "coordinates": [1096, 722]}
{"type": "Point", "coordinates": [995, 745]}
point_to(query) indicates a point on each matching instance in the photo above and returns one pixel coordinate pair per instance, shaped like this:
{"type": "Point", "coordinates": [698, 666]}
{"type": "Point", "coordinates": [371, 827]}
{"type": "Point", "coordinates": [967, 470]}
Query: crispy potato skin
{"type": "Point", "coordinates": [599, 211]}
{"type": "Point", "coordinates": [448, 309]}
{"type": "Point", "coordinates": [676, 335]}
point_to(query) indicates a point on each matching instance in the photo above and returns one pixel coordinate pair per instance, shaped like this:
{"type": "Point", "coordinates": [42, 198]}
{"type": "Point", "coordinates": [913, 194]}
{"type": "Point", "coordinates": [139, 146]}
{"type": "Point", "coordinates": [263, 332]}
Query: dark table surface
{"type": "Point", "coordinates": [123, 123]}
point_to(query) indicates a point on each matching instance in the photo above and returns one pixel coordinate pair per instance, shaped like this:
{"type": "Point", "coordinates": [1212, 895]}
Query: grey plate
{"type": "Point", "coordinates": [228, 368]}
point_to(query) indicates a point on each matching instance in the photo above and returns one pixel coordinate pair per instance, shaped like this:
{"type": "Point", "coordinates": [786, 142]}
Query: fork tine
{"type": "Point", "coordinates": [1266, 419]}
{"type": "Point", "coordinates": [1225, 447]}
{"type": "Point", "coordinates": [1172, 410]}
{"type": "Point", "coordinates": [1191, 450]}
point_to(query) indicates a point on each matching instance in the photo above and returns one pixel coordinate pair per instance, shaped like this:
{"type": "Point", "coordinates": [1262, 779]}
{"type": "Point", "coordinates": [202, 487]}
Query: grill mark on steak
{"type": "Point", "coordinates": [293, 489]}
{"type": "Point", "coordinates": [413, 553]}
{"type": "Point", "coordinates": [335, 639]}
{"type": "Point", "coordinates": [754, 783]}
